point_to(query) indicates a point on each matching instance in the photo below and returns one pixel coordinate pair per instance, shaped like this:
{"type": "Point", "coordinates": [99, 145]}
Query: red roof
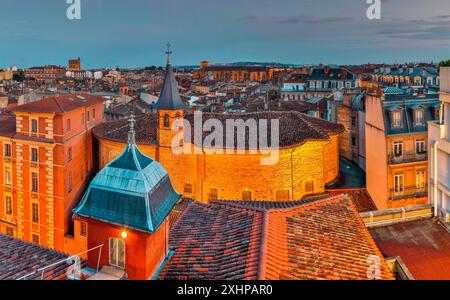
{"type": "Point", "coordinates": [7, 125]}
{"type": "Point", "coordinates": [295, 128]}
{"type": "Point", "coordinates": [19, 258]}
{"type": "Point", "coordinates": [322, 239]}
{"type": "Point", "coordinates": [59, 104]}
{"type": "Point", "coordinates": [360, 197]}
{"type": "Point", "coordinates": [423, 245]}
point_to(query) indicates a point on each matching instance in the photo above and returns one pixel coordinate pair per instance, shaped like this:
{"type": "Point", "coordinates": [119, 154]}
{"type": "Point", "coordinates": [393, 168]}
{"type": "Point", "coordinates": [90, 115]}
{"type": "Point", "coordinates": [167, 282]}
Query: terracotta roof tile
{"type": "Point", "coordinates": [423, 245]}
{"type": "Point", "coordinates": [324, 239]}
{"type": "Point", "coordinates": [59, 104]}
{"type": "Point", "coordinates": [360, 198]}
{"type": "Point", "coordinates": [7, 125]}
{"type": "Point", "coordinates": [317, 239]}
{"type": "Point", "coordinates": [295, 128]}
{"type": "Point", "coordinates": [223, 235]}
{"type": "Point", "coordinates": [19, 258]}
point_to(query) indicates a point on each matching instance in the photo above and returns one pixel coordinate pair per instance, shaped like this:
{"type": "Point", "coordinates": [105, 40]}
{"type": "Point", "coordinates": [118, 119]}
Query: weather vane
{"type": "Point", "coordinates": [132, 132]}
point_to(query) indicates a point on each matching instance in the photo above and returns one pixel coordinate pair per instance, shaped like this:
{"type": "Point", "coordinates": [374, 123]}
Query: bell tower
{"type": "Point", "coordinates": [169, 106]}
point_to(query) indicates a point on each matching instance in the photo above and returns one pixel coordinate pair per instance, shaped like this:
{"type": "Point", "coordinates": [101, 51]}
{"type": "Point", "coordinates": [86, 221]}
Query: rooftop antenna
{"type": "Point", "coordinates": [132, 132]}
{"type": "Point", "coordinates": [168, 52]}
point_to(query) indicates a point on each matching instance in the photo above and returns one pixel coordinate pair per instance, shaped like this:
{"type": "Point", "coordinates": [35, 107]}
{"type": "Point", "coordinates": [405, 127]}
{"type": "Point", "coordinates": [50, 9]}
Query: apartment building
{"type": "Point", "coordinates": [439, 158]}
{"type": "Point", "coordinates": [46, 161]}
{"type": "Point", "coordinates": [396, 146]}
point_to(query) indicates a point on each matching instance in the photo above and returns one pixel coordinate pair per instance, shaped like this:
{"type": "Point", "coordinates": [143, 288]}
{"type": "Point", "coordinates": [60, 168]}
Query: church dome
{"type": "Point", "coordinates": [133, 191]}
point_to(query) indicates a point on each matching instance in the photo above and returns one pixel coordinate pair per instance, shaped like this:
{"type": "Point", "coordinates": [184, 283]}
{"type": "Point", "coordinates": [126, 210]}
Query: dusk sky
{"type": "Point", "coordinates": [133, 33]}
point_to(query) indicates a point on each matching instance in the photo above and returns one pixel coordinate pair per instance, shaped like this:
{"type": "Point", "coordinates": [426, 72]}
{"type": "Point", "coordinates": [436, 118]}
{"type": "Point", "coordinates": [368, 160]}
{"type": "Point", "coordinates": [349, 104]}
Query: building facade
{"type": "Point", "coordinates": [439, 158]}
{"type": "Point", "coordinates": [46, 73]}
{"type": "Point", "coordinates": [6, 74]}
{"type": "Point", "coordinates": [396, 151]}
{"type": "Point", "coordinates": [324, 80]}
{"type": "Point", "coordinates": [347, 108]}
{"type": "Point", "coordinates": [46, 161]}
{"type": "Point", "coordinates": [406, 76]}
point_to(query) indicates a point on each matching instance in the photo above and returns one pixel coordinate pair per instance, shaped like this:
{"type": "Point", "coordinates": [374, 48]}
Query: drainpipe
{"type": "Point", "coordinates": [435, 144]}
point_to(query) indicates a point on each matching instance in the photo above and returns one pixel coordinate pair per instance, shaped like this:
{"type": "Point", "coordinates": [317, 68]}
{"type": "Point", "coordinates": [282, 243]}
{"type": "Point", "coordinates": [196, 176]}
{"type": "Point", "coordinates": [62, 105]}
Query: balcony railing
{"type": "Point", "coordinates": [408, 192]}
{"type": "Point", "coordinates": [407, 157]}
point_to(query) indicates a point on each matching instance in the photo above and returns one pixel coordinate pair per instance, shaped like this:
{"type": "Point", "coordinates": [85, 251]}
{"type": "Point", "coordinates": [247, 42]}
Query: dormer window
{"type": "Point", "coordinates": [396, 119]}
{"type": "Point", "coordinates": [166, 121]}
{"type": "Point", "coordinates": [418, 117]}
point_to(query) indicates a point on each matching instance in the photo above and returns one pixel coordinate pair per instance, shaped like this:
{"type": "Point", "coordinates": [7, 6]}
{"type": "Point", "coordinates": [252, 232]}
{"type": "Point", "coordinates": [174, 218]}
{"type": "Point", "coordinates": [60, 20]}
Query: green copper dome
{"type": "Point", "coordinates": [133, 191]}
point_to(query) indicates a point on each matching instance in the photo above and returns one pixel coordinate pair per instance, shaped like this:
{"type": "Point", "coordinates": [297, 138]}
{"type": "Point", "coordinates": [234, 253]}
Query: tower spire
{"type": "Point", "coordinates": [132, 132]}
{"type": "Point", "coordinates": [169, 98]}
{"type": "Point", "coordinates": [168, 52]}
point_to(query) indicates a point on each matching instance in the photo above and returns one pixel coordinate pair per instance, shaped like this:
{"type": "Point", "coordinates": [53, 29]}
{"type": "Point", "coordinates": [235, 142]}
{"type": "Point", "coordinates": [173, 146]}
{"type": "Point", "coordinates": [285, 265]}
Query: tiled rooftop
{"type": "Point", "coordinates": [59, 104]}
{"type": "Point", "coordinates": [423, 245]}
{"type": "Point", "coordinates": [7, 125]}
{"type": "Point", "coordinates": [19, 258]}
{"type": "Point", "coordinates": [295, 128]}
{"type": "Point", "coordinates": [321, 239]}
{"type": "Point", "coordinates": [360, 197]}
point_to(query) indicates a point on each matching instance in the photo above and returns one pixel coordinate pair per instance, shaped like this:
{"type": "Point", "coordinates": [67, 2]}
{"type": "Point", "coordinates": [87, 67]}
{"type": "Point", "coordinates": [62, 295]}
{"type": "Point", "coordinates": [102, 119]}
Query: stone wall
{"type": "Point", "coordinates": [229, 176]}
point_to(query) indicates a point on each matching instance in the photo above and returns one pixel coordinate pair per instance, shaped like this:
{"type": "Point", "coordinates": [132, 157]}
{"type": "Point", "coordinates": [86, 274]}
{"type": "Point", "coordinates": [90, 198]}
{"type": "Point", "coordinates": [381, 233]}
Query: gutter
{"type": "Point", "coordinates": [435, 164]}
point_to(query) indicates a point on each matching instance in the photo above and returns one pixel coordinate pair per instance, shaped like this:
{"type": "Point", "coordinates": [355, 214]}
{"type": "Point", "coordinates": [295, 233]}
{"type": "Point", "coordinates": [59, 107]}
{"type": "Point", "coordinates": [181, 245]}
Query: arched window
{"type": "Point", "coordinates": [166, 121]}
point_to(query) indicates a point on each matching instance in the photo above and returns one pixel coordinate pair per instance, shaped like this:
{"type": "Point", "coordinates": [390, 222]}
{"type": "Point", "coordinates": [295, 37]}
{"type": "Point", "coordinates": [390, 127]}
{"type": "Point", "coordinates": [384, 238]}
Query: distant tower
{"type": "Point", "coordinates": [74, 64]}
{"type": "Point", "coordinates": [204, 64]}
{"type": "Point", "coordinates": [169, 106]}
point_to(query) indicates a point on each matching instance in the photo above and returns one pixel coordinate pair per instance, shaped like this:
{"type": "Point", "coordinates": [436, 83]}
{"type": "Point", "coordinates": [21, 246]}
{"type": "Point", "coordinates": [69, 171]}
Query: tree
{"type": "Point", "coordinates": [444, 63]}
{"type": "Point", "coordinates": [19, 76]}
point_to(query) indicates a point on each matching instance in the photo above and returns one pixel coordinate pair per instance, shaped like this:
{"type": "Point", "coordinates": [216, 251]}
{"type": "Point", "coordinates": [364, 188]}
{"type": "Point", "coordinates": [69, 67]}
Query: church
{"type": "Point", "coordinates": [130, 212]}
{"type": "Point", "coordinates": [308, 155]}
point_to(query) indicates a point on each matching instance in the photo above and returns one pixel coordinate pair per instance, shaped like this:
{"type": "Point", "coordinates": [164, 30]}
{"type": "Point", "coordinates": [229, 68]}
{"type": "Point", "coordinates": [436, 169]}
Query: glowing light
{"type": "Point", "coordinates": [124, 234]}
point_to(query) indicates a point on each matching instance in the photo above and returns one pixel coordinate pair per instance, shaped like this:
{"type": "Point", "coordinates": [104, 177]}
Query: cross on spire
{"type": "Point", "coordinates": [132, 132]}
{"type": "Point", "coordinates": [168, 52]}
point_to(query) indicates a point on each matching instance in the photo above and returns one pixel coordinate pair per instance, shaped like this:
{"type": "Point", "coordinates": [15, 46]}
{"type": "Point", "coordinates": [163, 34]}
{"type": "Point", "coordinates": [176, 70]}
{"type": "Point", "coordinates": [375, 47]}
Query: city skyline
{"type": "Point", "coordinates": [111, 33]}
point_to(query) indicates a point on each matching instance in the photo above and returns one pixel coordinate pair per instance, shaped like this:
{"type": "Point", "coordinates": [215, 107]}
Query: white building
{"type": "Point", "coordinates": [293, 91]}
{"type": "Point", "coordinates": [439, 158]}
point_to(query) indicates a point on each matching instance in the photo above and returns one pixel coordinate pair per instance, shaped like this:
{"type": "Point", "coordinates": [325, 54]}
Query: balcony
{"type": "Point", "coordinates": [408, 192]}
{"type": "Point", "coordinates": [407, 157]}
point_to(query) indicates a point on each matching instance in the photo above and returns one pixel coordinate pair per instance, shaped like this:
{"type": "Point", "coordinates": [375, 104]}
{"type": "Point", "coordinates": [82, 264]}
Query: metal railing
{"type": "Point", "coordinates": [407, 157]}
{"type": "Point", "coordinates": [408, 192]}
{"type": "Point", "coordinates": [73, 272]}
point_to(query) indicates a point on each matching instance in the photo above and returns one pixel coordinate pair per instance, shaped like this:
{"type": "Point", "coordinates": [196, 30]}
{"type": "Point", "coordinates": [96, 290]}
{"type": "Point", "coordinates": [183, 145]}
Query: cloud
{"type": "Point", "coordinates": [300, 19]}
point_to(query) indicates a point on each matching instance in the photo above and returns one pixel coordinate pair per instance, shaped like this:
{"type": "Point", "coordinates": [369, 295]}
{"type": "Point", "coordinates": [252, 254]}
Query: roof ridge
{"type": "Point", "coordinates": [309, 204]}
{"type": "Point", "coordinates": [306, 118]}
{"type": "Point", "coordinates": [233, 204]}
{"type": "Point", "coordinates": [57, 103]}
{"type": "Point", "coordinates": [261, 274]}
